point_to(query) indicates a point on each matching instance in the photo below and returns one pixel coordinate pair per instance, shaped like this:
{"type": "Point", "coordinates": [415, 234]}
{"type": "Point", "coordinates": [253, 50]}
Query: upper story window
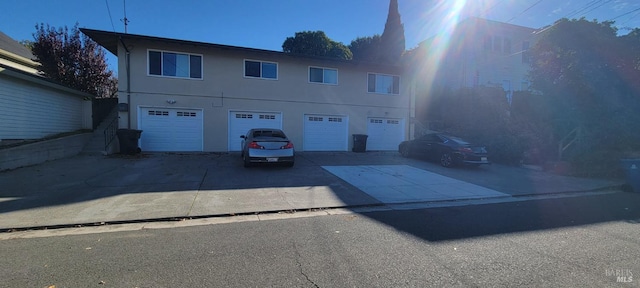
{"type": "Point", "coordinates": [323, 75]}
{"type": "Point", "coordinates": [260, 69]}
{"type": "Point", "coordinates": [507, 46]}
{"type": "Point", "coordinates": [172, 64]}
{"type": "Point", "coordinates": [384, 84]}
{"type": "Point", "coordinates": [526, 57]}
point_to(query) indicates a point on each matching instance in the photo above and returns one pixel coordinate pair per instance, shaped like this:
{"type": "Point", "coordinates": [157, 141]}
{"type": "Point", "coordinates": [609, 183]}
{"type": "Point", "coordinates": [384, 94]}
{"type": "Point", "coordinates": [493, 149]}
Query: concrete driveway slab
{"type": "Point", "coordinates": [402, 184]}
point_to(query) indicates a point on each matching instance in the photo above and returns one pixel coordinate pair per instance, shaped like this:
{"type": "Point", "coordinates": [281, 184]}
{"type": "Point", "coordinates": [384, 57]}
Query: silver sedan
{"type": "Point", "coordinates": [267, 145]}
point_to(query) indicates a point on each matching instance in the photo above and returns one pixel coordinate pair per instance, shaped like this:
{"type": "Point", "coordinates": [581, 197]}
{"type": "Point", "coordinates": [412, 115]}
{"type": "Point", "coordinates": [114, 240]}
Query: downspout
{"type": "Point", "coordinates": [127, 65]}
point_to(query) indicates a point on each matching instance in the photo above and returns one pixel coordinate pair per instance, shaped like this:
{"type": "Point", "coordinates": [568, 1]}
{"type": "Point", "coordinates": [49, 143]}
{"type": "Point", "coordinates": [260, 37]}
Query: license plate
{"type": "Point", "coordinates": [483, 158]}
{"type": "Point", "coordinates": [272, 159]}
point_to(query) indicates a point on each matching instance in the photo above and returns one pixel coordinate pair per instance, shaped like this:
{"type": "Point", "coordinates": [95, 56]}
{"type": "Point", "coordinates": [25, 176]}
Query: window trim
{"type": "Point", "coordinates": [383, 74]}
{"type": "Point", "coordinates": [175, 52]}
{"type": "Point", "coordinates": [244, 69]}
{"type": "Point", "coordinates": [323, 80]}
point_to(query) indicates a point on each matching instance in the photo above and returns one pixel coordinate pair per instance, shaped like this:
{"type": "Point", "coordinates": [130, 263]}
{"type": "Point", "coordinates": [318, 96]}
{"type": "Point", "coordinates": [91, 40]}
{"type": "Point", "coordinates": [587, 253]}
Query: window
{"type": "Point", "coordinates": [488, 42]}
{"type": "Point", "coordinates": [323, 75]}
{"type": "Point", "coordinates": [267, 117]}
{"type": "Point", "coordinates": [507, 46]}
{"type": "Point", "coordinates": [526, 57]}
{"type": "Point", "coordinates": [259, 69]}
{"type": "Point", "coordinates": [186, 114]}
{"type": "Point", "coordinates": [384, 84]}
{"type": "Point", "coordinates": [171, 64]}
{"type": "Point", "coordinates": [497, 44]}
{"type": "Point", "coordinates": [158, 113]}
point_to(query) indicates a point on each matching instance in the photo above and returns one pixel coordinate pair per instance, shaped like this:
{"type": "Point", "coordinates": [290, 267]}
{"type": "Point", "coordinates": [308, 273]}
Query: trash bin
{"type": "Point", "coordinates": [631, 169]}
{"type": "Point", "coordinates": [359, 143]}
{"type": "Point", "coordinates": [128, 139]}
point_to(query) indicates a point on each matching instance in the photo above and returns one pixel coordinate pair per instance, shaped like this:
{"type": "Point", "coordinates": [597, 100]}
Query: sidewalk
{"type": "Point", "coordinates": [94, 189]}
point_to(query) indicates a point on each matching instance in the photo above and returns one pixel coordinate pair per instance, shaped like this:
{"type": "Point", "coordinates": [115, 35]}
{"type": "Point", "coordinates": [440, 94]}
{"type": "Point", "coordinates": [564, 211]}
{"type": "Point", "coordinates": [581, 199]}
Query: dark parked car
{"type": "Point", "coordinates": [449, 150]}
{"type": "Point", "coordinates": [266, 145]}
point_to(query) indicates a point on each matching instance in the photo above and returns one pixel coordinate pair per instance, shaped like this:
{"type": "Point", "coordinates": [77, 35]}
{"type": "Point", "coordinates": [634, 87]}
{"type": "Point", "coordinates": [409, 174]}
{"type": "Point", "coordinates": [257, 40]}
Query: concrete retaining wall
{"type": "Point", "coordinates": [39, 152]}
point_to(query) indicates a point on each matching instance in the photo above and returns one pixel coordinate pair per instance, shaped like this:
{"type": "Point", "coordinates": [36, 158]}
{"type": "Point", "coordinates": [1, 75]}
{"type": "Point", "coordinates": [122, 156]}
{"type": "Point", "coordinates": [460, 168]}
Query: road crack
{"type": "Point", "coordinates": [298, 257]}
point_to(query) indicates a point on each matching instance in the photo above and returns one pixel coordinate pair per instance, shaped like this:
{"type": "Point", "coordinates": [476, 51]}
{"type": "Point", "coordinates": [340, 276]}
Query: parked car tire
{"type": "Point", "coordinates": [246, 161]}
{"type": "Point", "coordinates": [404, 151]}
{"type": "Point", "coordinates": [446, 160]}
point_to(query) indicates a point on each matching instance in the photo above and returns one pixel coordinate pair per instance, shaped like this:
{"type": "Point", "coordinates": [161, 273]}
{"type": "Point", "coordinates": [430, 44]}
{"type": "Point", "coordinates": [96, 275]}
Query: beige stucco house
{"type": "Point", "coordinates": [194, 96]}
{"type": "Point", "coordinates": [478, 52]}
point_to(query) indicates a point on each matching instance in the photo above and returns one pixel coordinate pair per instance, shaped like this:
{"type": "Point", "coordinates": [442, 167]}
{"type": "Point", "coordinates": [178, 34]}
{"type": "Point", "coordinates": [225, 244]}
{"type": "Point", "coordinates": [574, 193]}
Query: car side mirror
{"type": "Point", "coordinates": [242, 136]}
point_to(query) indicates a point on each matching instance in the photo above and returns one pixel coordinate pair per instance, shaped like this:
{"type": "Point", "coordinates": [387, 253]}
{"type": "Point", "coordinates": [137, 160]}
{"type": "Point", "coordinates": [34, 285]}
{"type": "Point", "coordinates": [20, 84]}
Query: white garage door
{"type": "Point", "coordinates": [325, 133]}
{"type": "Point", "coordinates": [165, 129]}
{"type": "Point", "coordinates": [384, 133]}
{"type": "Point", "coordinates": [241, 121]}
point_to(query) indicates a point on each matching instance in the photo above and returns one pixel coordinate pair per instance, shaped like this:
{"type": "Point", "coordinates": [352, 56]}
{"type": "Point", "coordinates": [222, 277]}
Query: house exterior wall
{"type": "Point", "coordinates": [224, 88]}
{"type": "Point", "coordinates": [483, 53]}
{"type": "Point", "coordinates": [30, 110]}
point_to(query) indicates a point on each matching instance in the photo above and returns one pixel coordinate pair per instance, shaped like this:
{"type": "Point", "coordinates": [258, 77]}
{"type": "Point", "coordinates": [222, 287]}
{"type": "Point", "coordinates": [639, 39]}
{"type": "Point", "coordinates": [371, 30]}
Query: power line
{"type": "Point", "coordinates": [110, 18]}
{"type": "Point", "coordinates": [594, 8]}
{"type": "Point", "coordinates": [634, 10]}
{"type": "Point", "coordinates": [525, 10]}
{"type": "Point", "coordinates": [580, 10]}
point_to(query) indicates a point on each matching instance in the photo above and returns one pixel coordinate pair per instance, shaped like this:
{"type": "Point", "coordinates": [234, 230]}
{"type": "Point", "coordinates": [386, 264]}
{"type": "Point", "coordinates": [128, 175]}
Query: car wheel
{"type": "Point", "coordinates": [246, 161]}
{"type": "Point", "coordinates": [446, 160]}
{"type": "Point", "coordinates": [404, 151]}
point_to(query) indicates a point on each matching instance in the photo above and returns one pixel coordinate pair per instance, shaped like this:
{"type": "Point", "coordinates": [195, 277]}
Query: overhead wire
{"type": "Point", "coordinates": [525, 10]}
{"type": "Point", "coordinates": [110, 18]}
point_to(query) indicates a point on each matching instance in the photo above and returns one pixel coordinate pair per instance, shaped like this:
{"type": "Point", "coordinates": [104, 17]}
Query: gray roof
{"type": "Point", "coordinates": [13, 46]}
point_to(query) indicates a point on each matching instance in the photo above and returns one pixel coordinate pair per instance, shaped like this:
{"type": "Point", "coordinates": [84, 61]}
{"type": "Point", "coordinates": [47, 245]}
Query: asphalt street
{"type": "Point", "coordinates": [589, 241]}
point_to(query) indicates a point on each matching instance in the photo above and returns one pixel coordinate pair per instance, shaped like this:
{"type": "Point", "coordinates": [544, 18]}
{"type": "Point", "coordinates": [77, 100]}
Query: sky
{"type": "Point", "coordinates": [265, 24]}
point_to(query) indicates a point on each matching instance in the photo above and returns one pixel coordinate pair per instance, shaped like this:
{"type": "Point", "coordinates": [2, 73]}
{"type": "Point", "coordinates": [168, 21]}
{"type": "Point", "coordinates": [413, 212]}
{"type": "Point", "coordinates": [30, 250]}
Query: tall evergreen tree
{"type": "Point", "coordinates": [392, 39]}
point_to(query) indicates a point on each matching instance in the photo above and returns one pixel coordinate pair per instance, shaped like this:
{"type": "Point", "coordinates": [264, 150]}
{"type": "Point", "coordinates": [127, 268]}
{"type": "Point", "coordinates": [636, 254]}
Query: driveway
{"type": "Point", "coordinates": [96, 189]}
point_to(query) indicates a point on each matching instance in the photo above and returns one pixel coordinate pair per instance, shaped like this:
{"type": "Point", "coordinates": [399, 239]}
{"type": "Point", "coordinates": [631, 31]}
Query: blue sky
{"type": "Point", "coordinates": [265, 24]}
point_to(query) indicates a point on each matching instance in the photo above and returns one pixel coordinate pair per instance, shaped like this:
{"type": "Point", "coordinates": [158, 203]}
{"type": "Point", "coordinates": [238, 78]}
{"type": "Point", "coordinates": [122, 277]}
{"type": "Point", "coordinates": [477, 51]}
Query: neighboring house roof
{"type": "Point", "coordinates": [111, 40]}
{"type": "Point", "coordinates": [10, 45]}
{"type": "Point", "coordinates": [16, 61]}
{"type": "Point", "coordinates": [16, 55]}
{"type": "Point", "coordinates": [20, 74]}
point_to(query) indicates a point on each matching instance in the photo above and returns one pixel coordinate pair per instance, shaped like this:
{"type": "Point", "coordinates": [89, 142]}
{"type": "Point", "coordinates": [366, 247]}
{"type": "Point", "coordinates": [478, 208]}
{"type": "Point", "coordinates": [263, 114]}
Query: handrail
{"type": "Point", "coordinates": [575, 134]}
{"type": "Point", "coordinates": [110, 133]}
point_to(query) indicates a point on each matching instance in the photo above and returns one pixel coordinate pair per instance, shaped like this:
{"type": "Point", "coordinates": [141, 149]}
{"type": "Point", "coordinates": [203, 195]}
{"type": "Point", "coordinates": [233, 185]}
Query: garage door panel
{"type": "Point", "coordinates": [325, 133]}
{"type": "Point", "coordinates": [242, 121]}
{"type": "Point", "coordinates": [169, 129]}
{"type": "Point", "coordinates": [384, 133]}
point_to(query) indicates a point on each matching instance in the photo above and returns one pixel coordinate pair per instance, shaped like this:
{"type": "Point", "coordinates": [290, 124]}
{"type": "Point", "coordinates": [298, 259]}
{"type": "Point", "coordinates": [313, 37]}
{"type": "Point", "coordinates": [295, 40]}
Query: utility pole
{"type": "Point", "coordinates": [125, 20]}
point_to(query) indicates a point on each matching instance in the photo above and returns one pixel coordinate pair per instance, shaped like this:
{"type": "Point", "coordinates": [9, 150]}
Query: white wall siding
{"type": "Point", "coordinates": [32, 111]}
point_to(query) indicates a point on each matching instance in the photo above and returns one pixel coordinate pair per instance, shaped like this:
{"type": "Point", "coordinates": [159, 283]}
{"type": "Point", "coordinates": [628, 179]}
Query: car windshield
{"type": "Point", "coordinates": [455, 139]}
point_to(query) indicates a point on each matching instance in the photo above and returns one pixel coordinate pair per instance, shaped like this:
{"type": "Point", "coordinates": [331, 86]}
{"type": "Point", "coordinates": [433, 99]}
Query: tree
{"type": "Point", "coordinates": [588, 76]}
{"type": "Point", "coordinates": [365, 48]}
{"type": "Point", "coordinates": [315, 43]}
{"type": "Point", "coordinates": [392, 42]}
{"type": "Point", "coordinates": [73, 60]}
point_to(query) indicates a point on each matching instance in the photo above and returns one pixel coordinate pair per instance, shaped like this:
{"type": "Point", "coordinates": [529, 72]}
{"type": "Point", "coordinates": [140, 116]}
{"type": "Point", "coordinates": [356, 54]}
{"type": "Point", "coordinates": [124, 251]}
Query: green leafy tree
{"type": "Point", "coordinates": [74, 60]}
{"type": "Point", "coordinates": [365, 48]}
{"type": "Point", "coordinates": [588, 76]}
{"type": "Point", "coordinates": [316, 43]}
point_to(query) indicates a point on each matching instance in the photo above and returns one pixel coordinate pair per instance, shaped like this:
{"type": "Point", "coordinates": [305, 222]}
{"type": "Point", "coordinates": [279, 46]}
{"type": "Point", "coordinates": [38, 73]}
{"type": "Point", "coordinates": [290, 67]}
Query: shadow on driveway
{"type": "Point", "coordinates": [94, 189]}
